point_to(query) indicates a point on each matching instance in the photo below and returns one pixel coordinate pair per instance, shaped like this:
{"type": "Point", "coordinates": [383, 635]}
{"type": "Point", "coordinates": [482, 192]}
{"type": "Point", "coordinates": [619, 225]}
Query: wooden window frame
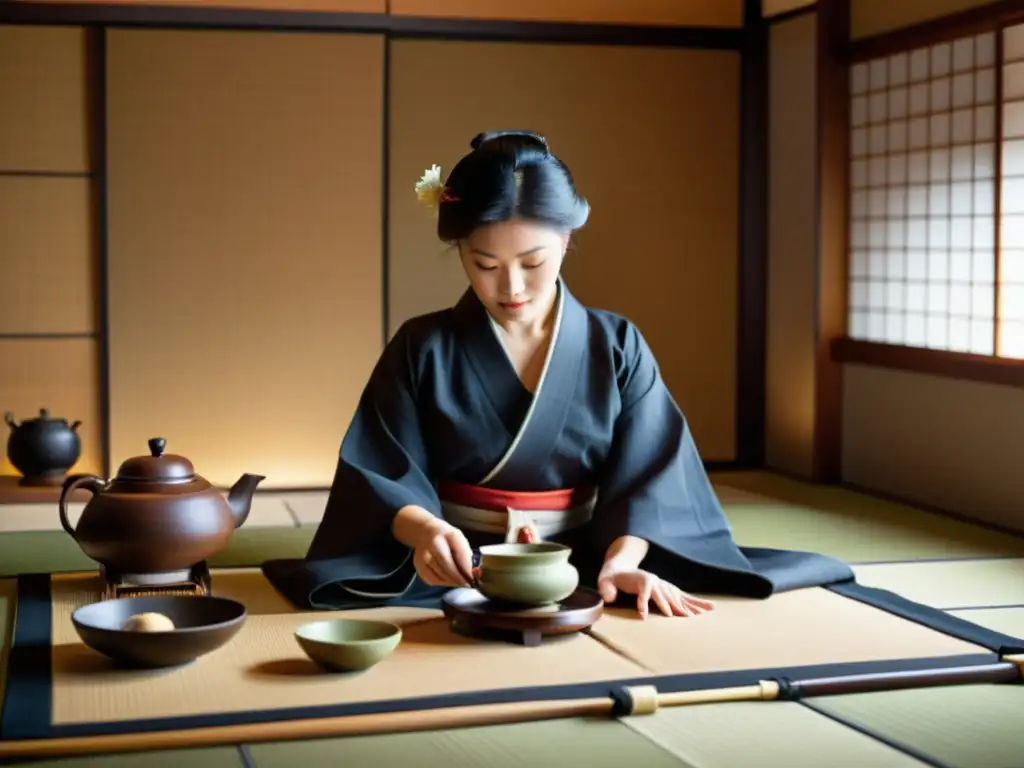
{"type": "Point", "coordinates": [936, 362]}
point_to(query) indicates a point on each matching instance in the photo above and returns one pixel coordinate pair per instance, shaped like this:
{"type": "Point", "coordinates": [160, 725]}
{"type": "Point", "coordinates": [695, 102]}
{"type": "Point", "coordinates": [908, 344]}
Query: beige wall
{"type": "Point", "coordinates": [792, 246]}
{"type": "Point", "coordinates": [945, 442]}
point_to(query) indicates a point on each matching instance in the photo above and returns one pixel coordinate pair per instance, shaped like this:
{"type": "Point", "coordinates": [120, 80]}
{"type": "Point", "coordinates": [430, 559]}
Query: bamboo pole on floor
{"type": "Point", "coordinates": [628, 702]}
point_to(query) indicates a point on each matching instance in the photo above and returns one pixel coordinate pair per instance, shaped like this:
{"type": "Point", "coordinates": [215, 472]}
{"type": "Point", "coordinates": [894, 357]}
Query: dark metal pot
{"type": "Point", "coordinates": [43, 449]}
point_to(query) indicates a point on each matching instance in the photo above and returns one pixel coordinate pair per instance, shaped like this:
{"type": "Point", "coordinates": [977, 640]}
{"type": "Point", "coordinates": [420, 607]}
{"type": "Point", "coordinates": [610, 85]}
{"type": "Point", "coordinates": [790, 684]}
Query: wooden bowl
{"type": "Point", "coordinates": [201, 625]}
{"type": "Point", "coordinates": [348, 645]}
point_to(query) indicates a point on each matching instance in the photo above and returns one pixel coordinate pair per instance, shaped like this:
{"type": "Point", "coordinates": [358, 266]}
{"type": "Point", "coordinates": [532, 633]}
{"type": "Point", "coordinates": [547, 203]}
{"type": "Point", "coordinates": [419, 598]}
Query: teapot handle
{"type": "Point", "coordinates": [90, 483]}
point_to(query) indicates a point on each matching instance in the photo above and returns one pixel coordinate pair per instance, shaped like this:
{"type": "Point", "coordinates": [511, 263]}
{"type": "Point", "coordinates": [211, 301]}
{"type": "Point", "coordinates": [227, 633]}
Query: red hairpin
{"type": "Point", "coordinates": [447, 196]}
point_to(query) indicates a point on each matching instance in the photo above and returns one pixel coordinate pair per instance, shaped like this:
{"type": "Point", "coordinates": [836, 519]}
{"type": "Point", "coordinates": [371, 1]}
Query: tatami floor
{"type": "Point", "coordinates": [958, 567]}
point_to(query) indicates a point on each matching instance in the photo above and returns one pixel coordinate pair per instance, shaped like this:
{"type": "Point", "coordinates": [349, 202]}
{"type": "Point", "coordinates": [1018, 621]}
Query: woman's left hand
{"type": "Point", "coordinates": [671, 600]}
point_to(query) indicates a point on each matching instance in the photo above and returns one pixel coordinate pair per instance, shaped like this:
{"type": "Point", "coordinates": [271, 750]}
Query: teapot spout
{"type": "Point", "coordinates": [240, 497]}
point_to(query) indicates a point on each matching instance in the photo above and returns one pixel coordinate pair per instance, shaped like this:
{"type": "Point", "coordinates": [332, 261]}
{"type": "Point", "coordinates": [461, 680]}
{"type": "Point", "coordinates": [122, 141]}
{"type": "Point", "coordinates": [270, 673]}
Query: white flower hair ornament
{"type": "Point", "coordinates": [431, 191]}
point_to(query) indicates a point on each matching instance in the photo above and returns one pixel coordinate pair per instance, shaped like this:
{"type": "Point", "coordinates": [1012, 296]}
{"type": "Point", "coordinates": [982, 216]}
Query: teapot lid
{"type": "Point", "coordinates": [44, 416]}
{"type": "Point", "coordinates": [158, 466]}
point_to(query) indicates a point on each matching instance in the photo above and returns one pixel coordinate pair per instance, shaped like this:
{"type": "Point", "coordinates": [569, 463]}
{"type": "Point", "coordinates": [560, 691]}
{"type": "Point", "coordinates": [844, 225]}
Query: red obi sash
{"type": "Point", "coordinates": [478, 497]}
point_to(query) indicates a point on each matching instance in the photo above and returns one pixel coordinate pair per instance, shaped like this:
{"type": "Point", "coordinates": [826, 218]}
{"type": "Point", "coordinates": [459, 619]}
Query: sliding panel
{"type": "Point", "coordinates": [244, 246]}
{"type": "Point", "coordinates": [651, 136]}
{"type": "Point", "coordinates": [792, 249]}
{"type": "Point", "coordinates": [693, 13]}
{"type": "Point", "coordinates": [44, 99]}
{"type": "Point", "coordinates": [60, 375]}
{"type": "Point", "coordinates": [47, 234]}
{"type": "Point", "coordinates": [47, 255]}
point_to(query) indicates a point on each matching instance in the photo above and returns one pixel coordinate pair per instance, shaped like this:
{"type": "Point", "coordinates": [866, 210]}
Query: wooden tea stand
{"type": "Point", "coordinates": [473, 614]}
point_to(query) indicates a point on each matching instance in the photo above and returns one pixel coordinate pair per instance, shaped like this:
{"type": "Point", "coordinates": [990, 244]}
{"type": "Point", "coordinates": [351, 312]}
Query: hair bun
{"type": "Point", "coordinates": [507, 175]}
{"type": "Point", "coordinates": [484, 138]}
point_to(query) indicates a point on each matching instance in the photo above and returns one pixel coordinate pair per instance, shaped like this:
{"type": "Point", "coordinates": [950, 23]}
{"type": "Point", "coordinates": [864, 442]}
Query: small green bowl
{"type": "Point", "coordinates": [348, 645]}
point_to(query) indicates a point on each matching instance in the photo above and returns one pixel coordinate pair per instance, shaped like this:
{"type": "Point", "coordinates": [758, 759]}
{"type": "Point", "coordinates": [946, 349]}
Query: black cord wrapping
{"type": "Point", "coordinates": [622, 702]}
{"type": "Point", "coordinates": [788, 690]}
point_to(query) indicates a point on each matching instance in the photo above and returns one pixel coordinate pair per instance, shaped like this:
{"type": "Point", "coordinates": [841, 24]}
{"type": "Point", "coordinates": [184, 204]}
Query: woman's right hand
{"type": "Point", "coordinates": [442, 555]}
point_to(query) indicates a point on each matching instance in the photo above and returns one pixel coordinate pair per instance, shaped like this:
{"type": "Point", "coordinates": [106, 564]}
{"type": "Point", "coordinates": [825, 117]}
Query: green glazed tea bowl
{"type": "Point", "coordinates": [527, 574]}
{"type": "Point", "coordinates": [348, 645]}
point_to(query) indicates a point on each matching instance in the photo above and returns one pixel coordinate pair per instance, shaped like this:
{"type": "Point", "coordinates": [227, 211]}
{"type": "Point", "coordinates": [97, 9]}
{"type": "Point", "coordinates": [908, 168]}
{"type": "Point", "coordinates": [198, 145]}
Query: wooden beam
{"type": "Point", "coordinates": [833, 32]}
{"type": "Point", "coordinates": [753, 268]}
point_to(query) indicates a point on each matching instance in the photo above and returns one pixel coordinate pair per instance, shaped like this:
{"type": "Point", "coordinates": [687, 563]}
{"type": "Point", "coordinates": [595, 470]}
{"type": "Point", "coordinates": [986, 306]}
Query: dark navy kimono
{"type": "Point", "coordinates": [444, 403]}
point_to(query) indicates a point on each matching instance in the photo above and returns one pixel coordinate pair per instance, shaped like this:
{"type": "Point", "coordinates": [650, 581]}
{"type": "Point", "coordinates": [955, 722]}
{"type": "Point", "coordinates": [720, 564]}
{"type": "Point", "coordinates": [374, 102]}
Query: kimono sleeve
{"type": "Point", "coordinates": [654, 487]}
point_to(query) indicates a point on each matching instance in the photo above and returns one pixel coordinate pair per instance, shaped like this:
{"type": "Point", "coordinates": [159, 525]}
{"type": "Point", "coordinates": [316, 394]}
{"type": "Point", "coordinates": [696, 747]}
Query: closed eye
{"type": "Point", "coordinates": [483, 268]}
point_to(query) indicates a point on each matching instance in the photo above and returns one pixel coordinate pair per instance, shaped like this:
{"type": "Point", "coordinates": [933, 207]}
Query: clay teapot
{"type": "Point", "coordinates": [43, 449]}
{"type": "Point", "coordinates": [157, 515]}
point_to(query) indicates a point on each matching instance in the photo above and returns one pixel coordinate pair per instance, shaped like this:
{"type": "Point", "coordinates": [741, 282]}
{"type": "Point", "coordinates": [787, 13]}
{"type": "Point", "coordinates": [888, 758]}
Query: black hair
{"type": "Point", "coordinates": [508, 175]}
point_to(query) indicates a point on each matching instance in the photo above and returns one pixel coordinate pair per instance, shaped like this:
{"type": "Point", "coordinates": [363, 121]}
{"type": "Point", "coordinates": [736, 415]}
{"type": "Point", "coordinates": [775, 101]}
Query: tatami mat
{"type": "Point", "coordinates": [54, 551]}
{"type": "Point", "coordinates": [545, 744]}
{"type": "Point", "coordinates": [790, 629]}
{"type": "Point", "coordinates": [855, 537]}
{"type": "Point", "coordinates": [266, 511]}
{"type": "Point", "coordinates": [957, 584]}
{"type": "Point", "coordinates": [771, 511]}
{"type": "Point", "coordinates": [961, 726]}
{"type": "Point", "coordinates": [764, 734]}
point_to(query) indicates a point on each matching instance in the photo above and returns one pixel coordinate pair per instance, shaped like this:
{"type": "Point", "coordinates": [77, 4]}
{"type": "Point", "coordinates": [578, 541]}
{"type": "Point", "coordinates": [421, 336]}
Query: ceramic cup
{"type": "Point", "coordinates": [347, 645]}
{"type": "Point", "coordinates": [527, 574]}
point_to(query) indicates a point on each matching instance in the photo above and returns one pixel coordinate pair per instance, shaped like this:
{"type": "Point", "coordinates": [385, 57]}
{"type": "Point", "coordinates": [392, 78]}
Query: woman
{"type": "Point", "coordinates": [520, 409]}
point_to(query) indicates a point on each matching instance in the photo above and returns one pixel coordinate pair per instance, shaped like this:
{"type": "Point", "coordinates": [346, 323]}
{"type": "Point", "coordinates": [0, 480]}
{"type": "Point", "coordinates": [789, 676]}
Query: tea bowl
{"type": "Point", "coordinates": [201, 624]}
{"type": "Point", "coordinates": [530, 575]}
{"type": "Point", "coordinates": [348, 645]}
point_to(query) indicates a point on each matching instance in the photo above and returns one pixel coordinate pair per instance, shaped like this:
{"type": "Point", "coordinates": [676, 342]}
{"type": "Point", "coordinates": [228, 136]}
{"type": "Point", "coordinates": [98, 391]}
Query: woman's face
{"type": "Point", "coordinates": [513, 267]}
